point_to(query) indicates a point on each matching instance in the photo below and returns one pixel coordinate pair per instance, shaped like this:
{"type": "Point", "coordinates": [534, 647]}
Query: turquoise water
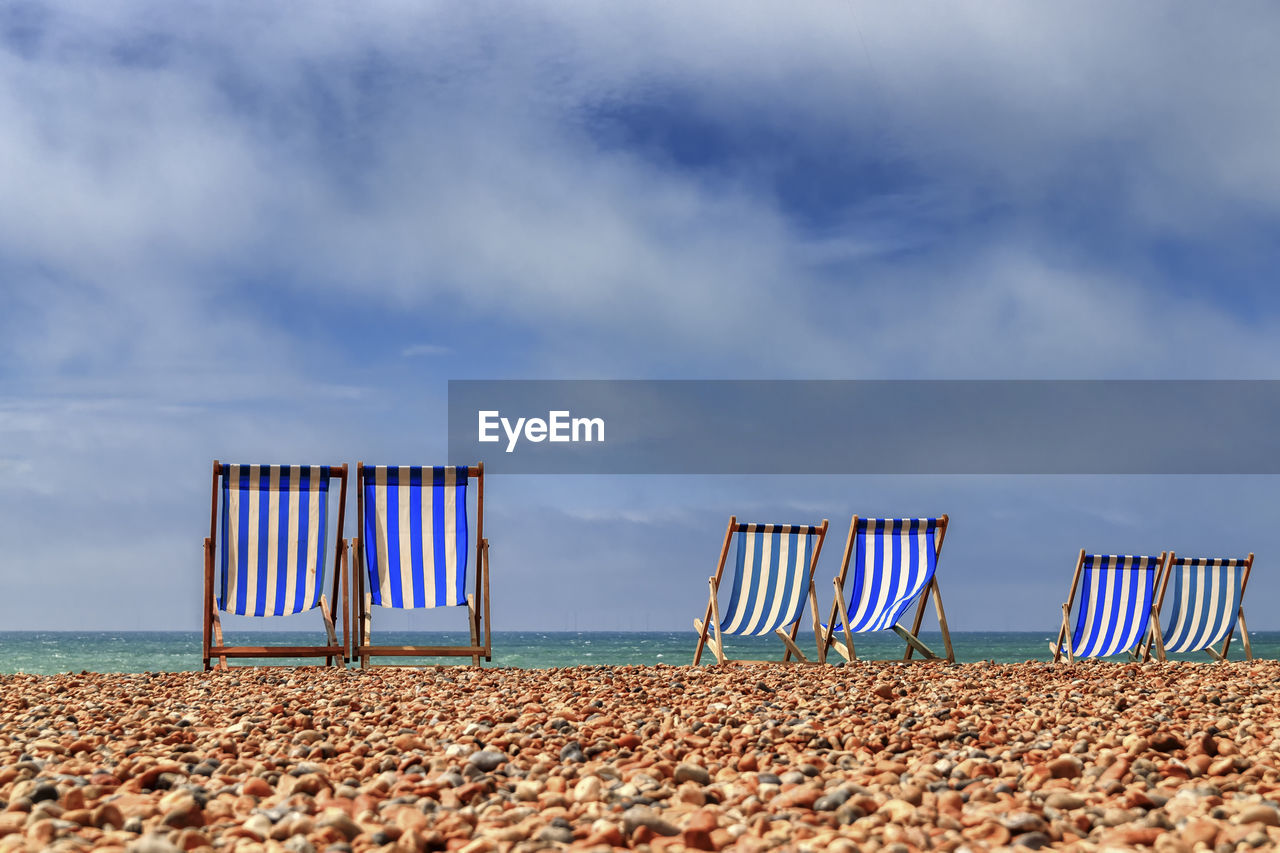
{"type": "Point", "coordinates": [50, 652]}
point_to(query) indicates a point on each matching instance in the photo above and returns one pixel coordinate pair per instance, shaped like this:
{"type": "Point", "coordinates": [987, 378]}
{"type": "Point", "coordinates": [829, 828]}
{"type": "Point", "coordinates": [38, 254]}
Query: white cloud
{"type": "Point", "coordinates": [219, 221]}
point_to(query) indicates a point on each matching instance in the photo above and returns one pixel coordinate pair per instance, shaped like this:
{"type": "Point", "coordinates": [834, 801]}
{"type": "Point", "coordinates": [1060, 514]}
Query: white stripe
{"type": "Point", "coordinates": [1213, 579]}
{"type": "Point", "coordinates": [1124, 639]}
{"type": "Point", "coordinates": [888, 544]}
{"type": "Point", "coordinates": [234, 537]}
{"type": "Point", "coordinates": [380, 520]}
{"type": "Point", "coordinates": [1197, 605]}
{"type": "Point", "coordinates": [1180, 618]}
{"type": "Point", "coordinates": [766, 559]}
{"type": "Point", "coordinates": [273, 537]}
{"type": "Point", "coordinates": [403, 491]}
{"type": "Point", "coordinates": [784, 573]}
{"type": "Point", "coordinates": [748, 560]}
{"type": "Point", "coordinates": [451, 567]}
{"type": "Point", "coordinates": [428, 539]}
{"type": "Point", "coordinates": [295, 512]}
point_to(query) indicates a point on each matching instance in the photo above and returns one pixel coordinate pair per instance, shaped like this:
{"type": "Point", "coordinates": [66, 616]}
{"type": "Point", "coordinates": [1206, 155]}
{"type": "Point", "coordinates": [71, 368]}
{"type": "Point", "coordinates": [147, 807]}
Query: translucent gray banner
{"type": "Point", "coordinates": [867, 426]}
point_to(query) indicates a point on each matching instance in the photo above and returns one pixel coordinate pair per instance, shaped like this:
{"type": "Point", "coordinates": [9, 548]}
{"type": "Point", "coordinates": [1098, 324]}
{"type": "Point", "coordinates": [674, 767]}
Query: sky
{"type": "Point", "coordinates": [274, 232]}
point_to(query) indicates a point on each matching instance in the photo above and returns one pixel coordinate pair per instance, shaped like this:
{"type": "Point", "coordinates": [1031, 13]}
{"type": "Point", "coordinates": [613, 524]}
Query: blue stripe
{"type": "Point", "coordinates": [264, 525]}
{"type": "Point", "coordinates": [415, 531]}
{"type": "Point", "coordinates": [740, 560]}
{"type": "Point", "coordinates": [460, 533]}
{"type": "Point", "coordinates": [393, 535]}
{"type": "Point", "coordinates": [370, 477]}
{"type": "Point", "coordinates": [859, 559]}
{"type": "Point", "coordinates": [242, 555]}
{"type": "Point", "coordinates": [437, 533]}
{"type": "Point", "coordinates": [226, 526]}
{"type": "Point", "coordinates": [1078, 639]}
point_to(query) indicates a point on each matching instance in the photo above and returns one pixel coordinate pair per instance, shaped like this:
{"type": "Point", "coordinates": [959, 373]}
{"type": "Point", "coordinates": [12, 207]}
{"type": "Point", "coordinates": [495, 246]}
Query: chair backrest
{"type": "Point", "coordinates": [771, 579]}
{"type": "Point", "coordinates": [1206, 596]}
{"type": "Point", "coordinates": [414, 540]}
{"type": "Point", "coordinates": [273, 538]}
{"type": "Point", "coordinates": [1116, 594]}
{"type": "Point", "coordinates": [893, 560]}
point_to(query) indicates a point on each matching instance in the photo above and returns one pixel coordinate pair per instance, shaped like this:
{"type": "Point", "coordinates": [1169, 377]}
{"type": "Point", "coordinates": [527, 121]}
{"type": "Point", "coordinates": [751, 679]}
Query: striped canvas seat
{"type": "Point", "coordinates": [273, 531]}
{"type": "Point", "coordinates": [266, 554]}
{"type": "Point", "coordinates": [772, 580]}
{"type": "Point", "coordinates": [894, 560]}
{"type": "Point", "coordinates": [1116, 598]}
{"type": "Point", "coordinates": [1203, 598]}
{"type": "Point", "coordinates": [889, 563]}
{"type": "Point", "coordinates": [415, 535]}
{"type": "Point", "coordinates": [414, 552]}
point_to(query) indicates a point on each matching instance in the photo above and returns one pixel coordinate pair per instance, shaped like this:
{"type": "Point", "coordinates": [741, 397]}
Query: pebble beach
{"type": "Point", "coordinates": [1096, 756]}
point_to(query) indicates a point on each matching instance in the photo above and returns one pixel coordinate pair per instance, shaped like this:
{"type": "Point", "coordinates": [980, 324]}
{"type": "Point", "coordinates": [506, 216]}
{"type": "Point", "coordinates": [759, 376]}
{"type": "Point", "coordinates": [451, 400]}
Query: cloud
{"type": "Point", "coordinates": [230, 231]}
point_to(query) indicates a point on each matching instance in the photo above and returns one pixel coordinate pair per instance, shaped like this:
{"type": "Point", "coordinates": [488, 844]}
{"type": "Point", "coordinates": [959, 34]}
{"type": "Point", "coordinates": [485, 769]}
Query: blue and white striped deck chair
{"type": "Point", "coordinates": [269, 554]}
{"type": "Point", "coordinates": [412, 552]}
{"type": "Point", "coordinates": [1207, 598]}
{"type": "Point", "coordinates": [773, 576]}
{"type": "Point", "coordinates": [1117, 594]}
{"type": "Point", "coordinates": [894, 562]}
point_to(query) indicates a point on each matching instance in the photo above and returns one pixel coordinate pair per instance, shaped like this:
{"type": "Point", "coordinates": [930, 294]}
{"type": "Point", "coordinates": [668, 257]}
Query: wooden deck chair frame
{"type": "Point", "coordinates": [711, 619]}
{"type": "Point", "coordinates": [1156, 637]}
{"type": "Point", "coordinates": [839, 609]}
{"type": "Point", "coordinates": [212, 643]}
{"type": "Point", "coordinates": [1064, 631]}
{"type": "Point", "coordinates": [477, 601]}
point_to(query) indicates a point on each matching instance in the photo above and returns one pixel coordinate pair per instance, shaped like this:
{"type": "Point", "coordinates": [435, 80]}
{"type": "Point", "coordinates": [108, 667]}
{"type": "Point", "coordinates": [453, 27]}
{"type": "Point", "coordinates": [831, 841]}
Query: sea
{"type": "Point", "coordinates": [51, 652]}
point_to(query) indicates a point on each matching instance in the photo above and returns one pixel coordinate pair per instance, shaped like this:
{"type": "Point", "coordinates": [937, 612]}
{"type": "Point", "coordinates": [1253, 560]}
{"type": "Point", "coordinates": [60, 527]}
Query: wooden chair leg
{"type": "Point", "coordinates": [850, 653]}
{"type": "Point", "coordinates": [715, 615]}
{"type": "Point", "coordinates": [913, 642]}
{"type": "Point", "coordinates": [1063, 632]}
{"type": "Point", "coordinates": [366, 618]}
{"type": "Point", "coordinates": [792, 648]}
{"type": "Point", "coordinates": [206, 623]}
{"type": "Point", "coordinates": [475, 628]}
{"type": "Point", "coordinates": [328, 626]}
{"type": "Point", "coordinates": [1244, 636]}
{"type": "Point", "coordinates": [942, 620]}
{"type": "Point", "coordinates": [817, 623]}
{"type": "Point", "coordinates": [916, 622]}
{"type": "Point", "coordinates": [704, 624]}
{"type": "Point", "coordinates": [217, 638]}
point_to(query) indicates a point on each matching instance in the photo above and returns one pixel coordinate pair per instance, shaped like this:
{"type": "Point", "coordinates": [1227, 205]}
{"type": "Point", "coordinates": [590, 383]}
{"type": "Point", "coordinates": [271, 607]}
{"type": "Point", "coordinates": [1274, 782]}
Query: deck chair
{"type": "Point", "coordinates": [894, 562]}
{"type": "Point", "coordinates": [773, 575]}
{"type": "Point", "coordinates": [269, 555]}
{"type": "Point", "coordinates": [1115, 611]}
{"type": "Point", "coordinates": [412, 553]}
{"type": "Point", "coordinates": [1205, 605]}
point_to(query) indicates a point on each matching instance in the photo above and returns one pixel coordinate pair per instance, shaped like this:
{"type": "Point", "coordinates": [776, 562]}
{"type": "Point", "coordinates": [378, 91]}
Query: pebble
{"type": "Point", "coordinates": [748, 757]}
{"type": "Point", "coordinates": [487, 760]}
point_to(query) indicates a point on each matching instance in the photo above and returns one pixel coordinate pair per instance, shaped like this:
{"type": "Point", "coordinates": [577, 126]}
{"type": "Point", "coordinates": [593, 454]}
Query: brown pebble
{"type": "Point", "coordinates": [1260, 813]}
{"type": "Point", "coordinates": [1065, 767]}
